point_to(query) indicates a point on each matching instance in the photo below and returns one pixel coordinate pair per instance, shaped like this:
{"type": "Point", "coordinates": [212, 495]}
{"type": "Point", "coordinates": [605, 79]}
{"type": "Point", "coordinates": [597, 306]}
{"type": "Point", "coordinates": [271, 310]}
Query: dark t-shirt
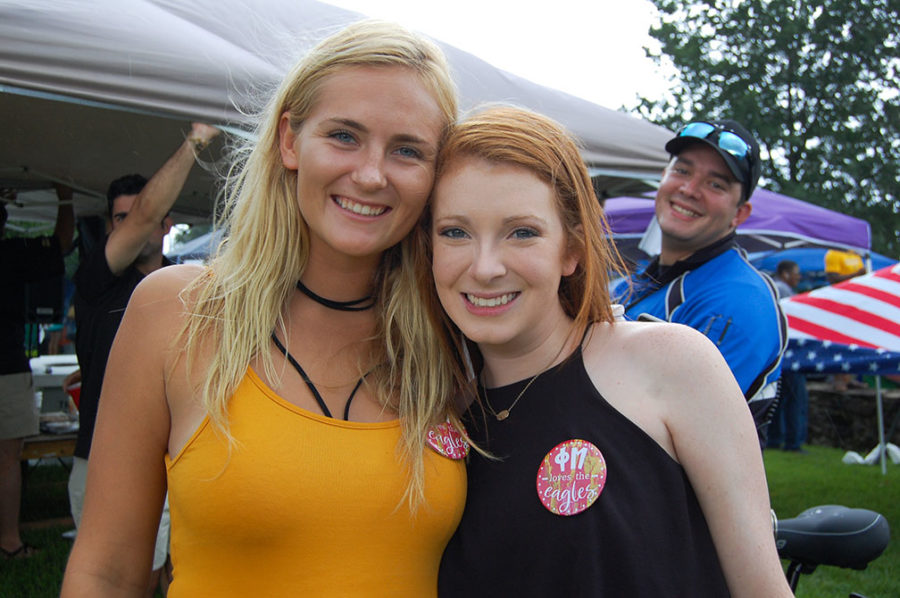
{"type": "Point", "coordinates": [22, 261]}
{"type": "Point", "coordinates": [100, 301]}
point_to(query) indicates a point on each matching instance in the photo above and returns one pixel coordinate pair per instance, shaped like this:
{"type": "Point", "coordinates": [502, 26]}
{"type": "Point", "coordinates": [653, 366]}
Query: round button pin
{"type": "Point", "coordinates": [446, 440]}
{"type": "Point", "coordinates": [571, 477]}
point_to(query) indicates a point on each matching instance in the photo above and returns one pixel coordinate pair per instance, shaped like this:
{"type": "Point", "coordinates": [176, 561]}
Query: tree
{"type": "Point", "coordinates": [819, 82]}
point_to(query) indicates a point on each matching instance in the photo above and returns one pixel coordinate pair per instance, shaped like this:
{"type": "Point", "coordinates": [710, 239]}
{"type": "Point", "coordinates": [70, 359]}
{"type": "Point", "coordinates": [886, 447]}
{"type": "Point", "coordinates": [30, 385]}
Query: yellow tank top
{"type": "Point", "coordinates": [305, 505]}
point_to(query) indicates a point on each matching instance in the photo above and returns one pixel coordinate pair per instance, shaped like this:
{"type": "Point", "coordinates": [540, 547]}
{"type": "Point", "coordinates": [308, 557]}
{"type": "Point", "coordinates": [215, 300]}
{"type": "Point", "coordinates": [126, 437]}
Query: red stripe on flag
{"type": "Point", "coordinates": [824, 334]}
{"type": "Point", "coordinates": [848, 311]}
{"type": "Point", "coordinates": [878, 294]}
{"type": "Point", "coordinates": [888, 273]}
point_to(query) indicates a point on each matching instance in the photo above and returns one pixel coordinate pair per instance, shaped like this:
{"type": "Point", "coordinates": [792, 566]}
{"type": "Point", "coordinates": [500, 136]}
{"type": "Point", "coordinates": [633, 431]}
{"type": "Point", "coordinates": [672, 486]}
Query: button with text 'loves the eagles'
{"type": "Point", "coordinates": [447, 441]}
{"type": "Point", "coordinates": [571, 477]}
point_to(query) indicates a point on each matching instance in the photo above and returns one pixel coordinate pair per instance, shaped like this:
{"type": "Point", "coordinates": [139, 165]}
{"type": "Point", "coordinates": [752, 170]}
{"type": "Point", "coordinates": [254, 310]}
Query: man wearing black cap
{"type": "Point", "coordinates": [701, 278]}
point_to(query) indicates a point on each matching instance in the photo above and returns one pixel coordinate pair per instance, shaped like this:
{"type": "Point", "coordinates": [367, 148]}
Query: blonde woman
{"type": "Point", "coordinates": [623, 458]}
{"type": "Point", "coordinates": [291, 396]}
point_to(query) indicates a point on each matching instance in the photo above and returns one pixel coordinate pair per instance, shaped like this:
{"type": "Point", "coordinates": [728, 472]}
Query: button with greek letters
{"type": "Point", "coordinates": [571, 477]}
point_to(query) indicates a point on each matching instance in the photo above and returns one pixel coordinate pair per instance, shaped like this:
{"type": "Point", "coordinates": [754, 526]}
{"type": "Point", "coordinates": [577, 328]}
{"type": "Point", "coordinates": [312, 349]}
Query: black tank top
{"type": "Point", "coordinates": [644, 536]}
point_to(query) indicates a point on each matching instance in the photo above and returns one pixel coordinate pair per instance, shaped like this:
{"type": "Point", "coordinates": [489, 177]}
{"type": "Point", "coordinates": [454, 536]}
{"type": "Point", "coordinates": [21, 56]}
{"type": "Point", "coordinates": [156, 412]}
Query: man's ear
{"type": "Point", "coordinates": [743, 212]}
{"type": "Point", "coordinates": [668, 167]}
{"type": "Point", "coordinates": [286, 139]}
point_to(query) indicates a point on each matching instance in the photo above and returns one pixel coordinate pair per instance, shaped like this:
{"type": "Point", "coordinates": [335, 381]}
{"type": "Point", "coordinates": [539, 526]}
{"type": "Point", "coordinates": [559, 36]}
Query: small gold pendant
{"type": "Point", "coordinates": [502, 415]}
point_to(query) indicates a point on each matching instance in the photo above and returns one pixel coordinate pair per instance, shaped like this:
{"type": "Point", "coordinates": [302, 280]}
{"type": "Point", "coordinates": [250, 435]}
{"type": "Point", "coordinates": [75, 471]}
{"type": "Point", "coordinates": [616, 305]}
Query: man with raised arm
{"type": "Point", "coordinates": [104, 282]}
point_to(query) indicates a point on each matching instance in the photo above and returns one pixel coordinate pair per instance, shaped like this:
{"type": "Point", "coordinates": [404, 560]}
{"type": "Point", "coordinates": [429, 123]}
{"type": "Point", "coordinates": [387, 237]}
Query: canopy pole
{"type": "Point", "coordinates": [881, 446]}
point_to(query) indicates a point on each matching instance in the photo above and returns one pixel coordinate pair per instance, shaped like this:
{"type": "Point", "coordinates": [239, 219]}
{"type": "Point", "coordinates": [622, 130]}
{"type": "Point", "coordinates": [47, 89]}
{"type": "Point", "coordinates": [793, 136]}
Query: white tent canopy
{"type": "Point", "coordinates": [93, 89]}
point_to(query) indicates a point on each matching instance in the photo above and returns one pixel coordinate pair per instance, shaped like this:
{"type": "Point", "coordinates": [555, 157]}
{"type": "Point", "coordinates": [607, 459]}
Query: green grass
{"type": "Point", "coordinates": [796, 482]}
{"type": "Point", "coordinates": [45, 499]}
{"type": "Point", "coordinates": [41, 575]}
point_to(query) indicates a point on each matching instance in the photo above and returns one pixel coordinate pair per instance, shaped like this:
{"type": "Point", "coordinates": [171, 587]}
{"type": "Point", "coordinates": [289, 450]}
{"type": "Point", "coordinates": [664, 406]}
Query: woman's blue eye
{"type": "Point", "coordinates": [452, 233]}
{"type": "Point", "coordinates": [343, 136]}
{"type": "Point", "coordinates": [409, 152]}
{"type": "Point", "coordinates": [525, 233]}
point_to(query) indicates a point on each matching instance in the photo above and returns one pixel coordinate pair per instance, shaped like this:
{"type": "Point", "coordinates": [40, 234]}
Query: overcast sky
{"type": "Point", "coordinates": [589, 48]}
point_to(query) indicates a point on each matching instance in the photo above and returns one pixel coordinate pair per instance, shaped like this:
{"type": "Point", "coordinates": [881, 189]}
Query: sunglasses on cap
{"type": "Point", "coordinates": [725, 139]}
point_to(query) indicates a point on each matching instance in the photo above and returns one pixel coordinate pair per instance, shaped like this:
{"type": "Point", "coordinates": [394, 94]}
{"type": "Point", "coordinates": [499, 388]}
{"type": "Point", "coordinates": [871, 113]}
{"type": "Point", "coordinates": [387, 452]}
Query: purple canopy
{"type": "Point", "coordinates": [777, 222]}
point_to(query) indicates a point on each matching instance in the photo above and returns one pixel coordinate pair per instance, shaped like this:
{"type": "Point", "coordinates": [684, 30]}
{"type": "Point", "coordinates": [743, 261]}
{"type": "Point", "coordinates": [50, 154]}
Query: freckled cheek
{"type": "Point", "coordinates": [416, 182]}
{"type": "Point", "coordinates": [411, 202]}
{"type": "Point", "coordinates": [419, 201]}
{"type": "Point", "coordinates": [438, 265]}
{"type": "Point", "coordinates": [444, 270]}
{"type": "Point", "coordinates": [447, 295]}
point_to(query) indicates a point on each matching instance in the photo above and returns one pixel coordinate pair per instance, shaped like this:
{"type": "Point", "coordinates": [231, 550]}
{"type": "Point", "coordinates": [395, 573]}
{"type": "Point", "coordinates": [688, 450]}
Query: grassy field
{"type": "Point", "coordinates": [45, 516]}
{"type": "Point", "coordinates": [796, 482]}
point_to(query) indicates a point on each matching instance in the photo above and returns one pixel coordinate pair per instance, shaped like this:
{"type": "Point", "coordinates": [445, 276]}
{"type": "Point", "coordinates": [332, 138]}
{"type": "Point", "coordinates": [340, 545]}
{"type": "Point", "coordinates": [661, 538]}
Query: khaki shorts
{"type": "Point", "coordinates": [19, 416]}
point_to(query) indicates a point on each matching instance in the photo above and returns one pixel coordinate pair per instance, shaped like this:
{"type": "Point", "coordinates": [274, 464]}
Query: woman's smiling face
{"type": "Point", "coordinates": [500, 251]}
{"type": "Point", "coordinates": [364, 158]}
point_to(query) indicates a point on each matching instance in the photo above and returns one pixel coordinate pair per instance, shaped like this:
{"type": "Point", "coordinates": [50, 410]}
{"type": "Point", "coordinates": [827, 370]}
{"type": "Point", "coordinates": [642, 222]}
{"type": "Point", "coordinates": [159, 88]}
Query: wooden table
{"type": "Point", "coordinates": [49, 446]}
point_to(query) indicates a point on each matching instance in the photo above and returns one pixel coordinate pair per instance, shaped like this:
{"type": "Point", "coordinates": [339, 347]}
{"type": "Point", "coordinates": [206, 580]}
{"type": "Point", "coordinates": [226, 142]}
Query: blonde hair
{"type": "Point", "coordinates": [519, 137]}
{"type": "Point", "coordinates": [238, 301]}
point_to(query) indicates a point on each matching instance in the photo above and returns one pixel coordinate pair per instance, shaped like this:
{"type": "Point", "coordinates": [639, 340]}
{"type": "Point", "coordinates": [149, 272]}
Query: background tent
{"type": "Point", "coordinates": [93, 89]}
{"type": "Point", "coordinates": [198, 249]}
{"type": "Point", "coordinates": [849, 327]}
{"type": "Point", "coordinates": [776, 222]}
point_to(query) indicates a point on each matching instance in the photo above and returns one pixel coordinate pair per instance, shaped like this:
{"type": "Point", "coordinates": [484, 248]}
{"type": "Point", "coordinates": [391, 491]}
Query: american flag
{"type": "Point", "coordinates": [852, 326]}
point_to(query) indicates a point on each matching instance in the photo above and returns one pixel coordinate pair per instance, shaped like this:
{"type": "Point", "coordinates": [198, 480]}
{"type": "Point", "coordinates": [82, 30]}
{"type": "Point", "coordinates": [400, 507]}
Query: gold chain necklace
{"type": "Point", "coordinates": [505, 413]}
{"type": "Point", "coordinates": [502, 415]}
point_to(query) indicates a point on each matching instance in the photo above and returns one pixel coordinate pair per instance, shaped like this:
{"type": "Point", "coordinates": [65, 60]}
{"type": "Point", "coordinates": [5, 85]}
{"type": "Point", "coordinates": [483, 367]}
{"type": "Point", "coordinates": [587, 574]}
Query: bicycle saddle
{"type": "Point", "coordinates": [833, 535]}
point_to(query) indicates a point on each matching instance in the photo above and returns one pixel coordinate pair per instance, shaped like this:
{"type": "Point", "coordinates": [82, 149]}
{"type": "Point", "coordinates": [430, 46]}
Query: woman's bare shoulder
{"type": "Point", "coordinates": [164, 287]}
{"type": "Point", "coordinates": [654, 349]}
{"type": "Point", "coordinates": [638, 367]}
{"type": "Point", "coordinates": [653, 339]}
{"type": "Point", "coordinates": [173, 277]}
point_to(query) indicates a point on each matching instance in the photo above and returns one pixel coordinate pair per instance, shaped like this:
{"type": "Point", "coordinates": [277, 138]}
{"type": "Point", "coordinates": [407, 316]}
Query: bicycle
{"type": "Point", "coordinates": [830, 535]}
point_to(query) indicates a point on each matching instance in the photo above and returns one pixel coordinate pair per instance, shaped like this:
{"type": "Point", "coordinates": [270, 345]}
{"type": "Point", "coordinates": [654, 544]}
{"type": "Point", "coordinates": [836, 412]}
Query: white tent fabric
{"type": "Point", "coordinates": [92, 89]}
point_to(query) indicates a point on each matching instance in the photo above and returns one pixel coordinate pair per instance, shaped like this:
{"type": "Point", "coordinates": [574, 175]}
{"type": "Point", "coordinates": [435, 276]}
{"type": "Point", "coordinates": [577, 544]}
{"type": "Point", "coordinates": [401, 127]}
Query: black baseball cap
{"type": "Point", "coordinates": [737, 146]}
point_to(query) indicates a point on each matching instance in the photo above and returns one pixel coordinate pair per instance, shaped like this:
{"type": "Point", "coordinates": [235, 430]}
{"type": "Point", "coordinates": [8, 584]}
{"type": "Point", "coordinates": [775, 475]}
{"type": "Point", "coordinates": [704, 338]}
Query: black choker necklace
{"type": "Point", "coordinates": [367, 302]}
